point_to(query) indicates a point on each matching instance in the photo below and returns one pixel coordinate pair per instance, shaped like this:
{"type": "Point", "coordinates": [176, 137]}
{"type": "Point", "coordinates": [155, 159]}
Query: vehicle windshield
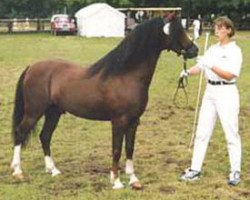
{"type": "Point", "coordinates": [62, 19]}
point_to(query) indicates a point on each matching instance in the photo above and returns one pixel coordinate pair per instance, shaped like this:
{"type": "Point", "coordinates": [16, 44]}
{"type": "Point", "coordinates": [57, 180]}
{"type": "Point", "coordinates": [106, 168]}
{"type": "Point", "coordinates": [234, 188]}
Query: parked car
{"type": "Point", "coordinates": [61, 23]}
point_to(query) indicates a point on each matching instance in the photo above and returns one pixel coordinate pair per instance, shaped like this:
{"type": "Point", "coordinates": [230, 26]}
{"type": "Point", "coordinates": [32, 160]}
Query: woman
{"type": "Point", "coordinates": [221, 65]}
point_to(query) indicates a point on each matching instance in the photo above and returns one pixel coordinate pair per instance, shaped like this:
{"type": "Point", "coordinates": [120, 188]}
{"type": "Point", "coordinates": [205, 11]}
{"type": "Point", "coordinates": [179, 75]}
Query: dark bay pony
{"type": "Point", "coordinates": [114, 89]}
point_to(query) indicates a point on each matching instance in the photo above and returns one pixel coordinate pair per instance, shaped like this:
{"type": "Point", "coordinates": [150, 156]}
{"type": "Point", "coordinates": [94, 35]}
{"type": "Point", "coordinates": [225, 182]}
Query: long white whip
{"type": "Point", "coordinates": [198, 97]}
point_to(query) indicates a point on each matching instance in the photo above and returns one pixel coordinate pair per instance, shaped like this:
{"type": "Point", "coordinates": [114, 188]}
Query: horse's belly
{"type": "Point", "coordinates": [95, 110]}
{"type": "Point", "coordinates": [87, 108]}
{"type": "Point", "coordinates": [93, 115]}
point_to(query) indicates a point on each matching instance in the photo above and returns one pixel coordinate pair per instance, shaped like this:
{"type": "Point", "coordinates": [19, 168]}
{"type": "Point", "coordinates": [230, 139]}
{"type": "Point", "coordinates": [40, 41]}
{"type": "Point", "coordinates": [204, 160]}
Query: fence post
{"type": "Point", "coordinates": [38, 25]}
{"type": "Point", "coordinates": [10, 26]}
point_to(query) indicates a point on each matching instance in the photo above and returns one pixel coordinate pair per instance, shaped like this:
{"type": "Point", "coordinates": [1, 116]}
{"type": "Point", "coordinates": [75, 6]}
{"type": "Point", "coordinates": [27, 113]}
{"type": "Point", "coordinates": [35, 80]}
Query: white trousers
{"type": "Point", "coordinates": [219, 101]}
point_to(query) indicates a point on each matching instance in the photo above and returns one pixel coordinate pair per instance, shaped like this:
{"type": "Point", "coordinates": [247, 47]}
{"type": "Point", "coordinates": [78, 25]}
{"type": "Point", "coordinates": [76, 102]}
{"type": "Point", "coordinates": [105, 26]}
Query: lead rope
{"type": "Point", "coordinates": [182, 83]}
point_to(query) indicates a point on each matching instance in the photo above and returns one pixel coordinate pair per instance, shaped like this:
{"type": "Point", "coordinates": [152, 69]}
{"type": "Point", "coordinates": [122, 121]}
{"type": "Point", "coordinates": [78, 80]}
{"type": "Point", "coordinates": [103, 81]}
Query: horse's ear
{"type": "Point", "coordinates": [166, 28]}
{"type": "Point", "coordinates": [170, 16]}
{"type": "Point", "coordinates": [167, 18]}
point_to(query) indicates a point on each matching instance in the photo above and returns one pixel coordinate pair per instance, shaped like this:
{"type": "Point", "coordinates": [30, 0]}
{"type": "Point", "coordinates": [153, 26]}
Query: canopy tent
{"type": "Point", "coordinates": [100, 20]}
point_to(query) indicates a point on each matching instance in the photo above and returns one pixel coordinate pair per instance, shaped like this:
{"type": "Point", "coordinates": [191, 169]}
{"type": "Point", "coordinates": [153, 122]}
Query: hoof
{"type": "Point", "coordinates": [19, 177]}
{"type": "Point", "coordinates": [136, 185]}
{"type": "Point", "coordinates": [17, 174]}
{"type": "Point", "coordinates": [54, 172]}
{"type": "Point", "coordinates": [117, 184]}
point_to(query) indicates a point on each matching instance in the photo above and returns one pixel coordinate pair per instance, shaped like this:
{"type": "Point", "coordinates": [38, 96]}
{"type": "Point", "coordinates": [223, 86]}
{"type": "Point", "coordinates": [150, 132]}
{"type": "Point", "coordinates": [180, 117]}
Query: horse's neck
{"type": "Point", "coordinates": [146, 69]}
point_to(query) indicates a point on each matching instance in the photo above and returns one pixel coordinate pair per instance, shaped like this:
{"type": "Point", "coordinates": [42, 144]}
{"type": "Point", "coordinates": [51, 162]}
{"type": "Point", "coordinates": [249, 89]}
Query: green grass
{"type": "Point", "coordinates": [82, 148]}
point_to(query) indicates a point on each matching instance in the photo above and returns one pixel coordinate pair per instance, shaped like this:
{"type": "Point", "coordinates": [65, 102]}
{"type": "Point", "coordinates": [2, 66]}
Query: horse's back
{"type": "Point", "coordinates": [45, 79]}
{"type": "Point", "coordinates": [44, 73]}
{"type": "Point", "coordinates": [48, 67]}
{"type": "Point", "coordinates": [66, 85]}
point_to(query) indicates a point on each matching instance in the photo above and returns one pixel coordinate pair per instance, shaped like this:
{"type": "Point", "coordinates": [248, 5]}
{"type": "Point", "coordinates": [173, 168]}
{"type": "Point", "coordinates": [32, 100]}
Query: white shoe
{"type": "Point", "coordinates": [234, 178]}
{"type": "Point", "coordinates": [190, 175]}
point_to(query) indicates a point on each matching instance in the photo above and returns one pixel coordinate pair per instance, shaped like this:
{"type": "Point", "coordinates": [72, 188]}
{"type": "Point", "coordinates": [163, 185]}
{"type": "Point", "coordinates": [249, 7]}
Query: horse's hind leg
{"type": "Point", "coordinates": [52, 116]}
{"type": "Point", "coordinates": [129, 146]}
{"type": "Point", "coordinates": [21, 136]}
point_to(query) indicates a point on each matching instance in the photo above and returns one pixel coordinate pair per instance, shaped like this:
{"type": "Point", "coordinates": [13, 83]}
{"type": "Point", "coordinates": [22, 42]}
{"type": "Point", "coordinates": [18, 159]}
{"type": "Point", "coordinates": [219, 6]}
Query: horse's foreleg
{"type": "Point", "coordinates": [129, 145]}
{"type": "Point", "coordinates": [118, 127]}
{"type": "Point", "coordinates": [50, 166]}
{"type": "Point", "coordinates": [52, 116]}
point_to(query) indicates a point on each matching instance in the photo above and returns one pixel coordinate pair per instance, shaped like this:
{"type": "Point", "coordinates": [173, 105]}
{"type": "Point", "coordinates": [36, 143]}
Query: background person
{"type": "Point", "coordinates": [201, 25]}
{"type": "Point", "coordinates": [221, 65]}
{"type": "Point", "coordinates": [196, 25]}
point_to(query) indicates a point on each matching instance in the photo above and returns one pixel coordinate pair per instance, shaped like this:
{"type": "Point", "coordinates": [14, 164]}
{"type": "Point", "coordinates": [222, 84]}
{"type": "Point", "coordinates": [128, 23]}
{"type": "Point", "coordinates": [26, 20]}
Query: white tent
{"type": "Point", "coordinates": [100, 20]}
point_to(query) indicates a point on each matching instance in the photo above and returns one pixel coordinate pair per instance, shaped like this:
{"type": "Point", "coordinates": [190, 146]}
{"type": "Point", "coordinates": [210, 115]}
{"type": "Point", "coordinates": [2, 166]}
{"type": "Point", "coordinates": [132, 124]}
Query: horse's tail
{"type": "Point", "coordinates": [19, 105]}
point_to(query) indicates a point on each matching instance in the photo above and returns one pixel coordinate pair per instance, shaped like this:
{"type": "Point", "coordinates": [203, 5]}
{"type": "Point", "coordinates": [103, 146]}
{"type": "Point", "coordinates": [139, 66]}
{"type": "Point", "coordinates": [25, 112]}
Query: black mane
{"type": "Point", "coordinates": [133, 49]}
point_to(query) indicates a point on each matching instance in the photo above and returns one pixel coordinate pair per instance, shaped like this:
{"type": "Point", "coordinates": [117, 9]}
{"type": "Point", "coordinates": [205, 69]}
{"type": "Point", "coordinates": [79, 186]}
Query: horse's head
{"type": "Point", "coordinates": [175, 37]}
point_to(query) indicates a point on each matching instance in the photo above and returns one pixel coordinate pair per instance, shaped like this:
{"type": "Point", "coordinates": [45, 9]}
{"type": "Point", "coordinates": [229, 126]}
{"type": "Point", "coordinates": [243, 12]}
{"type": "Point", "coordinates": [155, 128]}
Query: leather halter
{"type": "Point", "coordinates": [169, 17]}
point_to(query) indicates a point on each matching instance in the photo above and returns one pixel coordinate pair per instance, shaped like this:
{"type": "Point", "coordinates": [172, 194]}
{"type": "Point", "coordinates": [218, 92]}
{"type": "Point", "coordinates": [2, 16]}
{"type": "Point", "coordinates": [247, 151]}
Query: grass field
{"type": "Point", "coordinates": [82, 148]}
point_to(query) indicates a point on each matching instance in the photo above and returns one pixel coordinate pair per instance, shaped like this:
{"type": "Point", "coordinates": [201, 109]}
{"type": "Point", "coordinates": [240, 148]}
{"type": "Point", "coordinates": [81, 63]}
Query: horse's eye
{"type": "Point", "coordinates": [166, 28]}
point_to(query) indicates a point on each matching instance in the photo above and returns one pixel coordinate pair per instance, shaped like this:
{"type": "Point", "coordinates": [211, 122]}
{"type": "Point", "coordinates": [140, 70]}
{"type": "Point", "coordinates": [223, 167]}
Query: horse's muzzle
{"type": "Point", "coordinates": [191, 52]}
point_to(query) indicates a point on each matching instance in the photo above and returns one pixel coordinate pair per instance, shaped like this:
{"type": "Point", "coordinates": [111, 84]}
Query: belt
{"type": "Point", "coordinates": [220, 82]}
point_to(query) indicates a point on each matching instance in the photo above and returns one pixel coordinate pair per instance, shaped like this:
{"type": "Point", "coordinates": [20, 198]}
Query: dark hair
{"type": "Point", "coordinates": [136, 46]}
{"type": "Point", "coordinates": [228, 23]}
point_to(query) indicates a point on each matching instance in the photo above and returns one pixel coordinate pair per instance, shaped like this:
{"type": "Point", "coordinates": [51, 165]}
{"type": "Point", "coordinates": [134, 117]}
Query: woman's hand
{"type": "Point", "coordinates": [183, 74]}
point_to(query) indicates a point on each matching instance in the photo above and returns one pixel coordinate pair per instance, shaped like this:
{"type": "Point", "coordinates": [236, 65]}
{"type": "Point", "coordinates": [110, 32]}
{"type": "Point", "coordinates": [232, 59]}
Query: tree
{"type": "Point", "coordinates": [26, 8]}
{"type": "Point", "coordinates": [45, 8]}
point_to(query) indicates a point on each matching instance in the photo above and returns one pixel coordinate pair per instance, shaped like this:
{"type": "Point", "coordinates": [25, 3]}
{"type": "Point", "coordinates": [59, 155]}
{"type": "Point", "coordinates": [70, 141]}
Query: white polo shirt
{"type": "Point", "coordinates": [227, 57]}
